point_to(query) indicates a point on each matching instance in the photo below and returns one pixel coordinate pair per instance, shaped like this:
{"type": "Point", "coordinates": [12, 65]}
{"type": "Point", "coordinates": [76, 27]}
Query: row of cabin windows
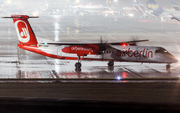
{"type": "Point", "coordinates": [109, 52]}
{"type": "Point", "coordinates": [113, 52]}
{"type": "Point", "coordinates": [157, 51]}
{"type": "Point", "coordinates": [120, 52]}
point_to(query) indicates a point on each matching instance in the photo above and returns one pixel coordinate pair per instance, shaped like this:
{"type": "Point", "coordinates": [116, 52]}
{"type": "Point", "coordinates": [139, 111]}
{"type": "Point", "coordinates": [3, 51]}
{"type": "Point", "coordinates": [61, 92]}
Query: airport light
{"type": "Point", "coordinates": [77, 1]}
{"type": "Point", "coordinates": [131, 14]}
{"type": "Point", "coordinates": [118, 77]}
{"type": "Point", "coordinates": [115, 0]}
{"type": "Point", "coordinates": [9, 1]}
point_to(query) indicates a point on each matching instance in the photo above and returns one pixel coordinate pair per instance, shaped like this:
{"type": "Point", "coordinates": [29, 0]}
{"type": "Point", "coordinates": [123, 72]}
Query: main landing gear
{"type": "Point", "coordinates": [78, 65]}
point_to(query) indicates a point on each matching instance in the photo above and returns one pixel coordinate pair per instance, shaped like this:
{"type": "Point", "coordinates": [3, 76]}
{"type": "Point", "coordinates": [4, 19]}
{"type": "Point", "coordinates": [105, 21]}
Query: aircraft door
{"type": "Point", "coordinates": [59, 52]}
{"type": "Point", "coordinates": [137, 54]}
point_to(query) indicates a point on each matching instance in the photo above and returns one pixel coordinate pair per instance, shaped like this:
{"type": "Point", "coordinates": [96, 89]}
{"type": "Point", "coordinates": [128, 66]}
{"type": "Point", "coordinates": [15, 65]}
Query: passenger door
{"type": "Point", "coordinates": [59, 52]}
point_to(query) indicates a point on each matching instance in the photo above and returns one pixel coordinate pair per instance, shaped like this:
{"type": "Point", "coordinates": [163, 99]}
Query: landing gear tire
{"type": "Point", "coordinates": [78, 65]}
{"type": "Point", "coordinates": [78, 69]}
{"type": "Point", "coordinates": [111, 63]}
{"type": "Point", "coordinates": [168, 67]}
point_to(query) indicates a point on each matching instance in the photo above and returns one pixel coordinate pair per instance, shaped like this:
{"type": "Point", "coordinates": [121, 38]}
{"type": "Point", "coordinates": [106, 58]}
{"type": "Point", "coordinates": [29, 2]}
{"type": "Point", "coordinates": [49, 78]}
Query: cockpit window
{"type": "Point", "coordinates": [161, 51]}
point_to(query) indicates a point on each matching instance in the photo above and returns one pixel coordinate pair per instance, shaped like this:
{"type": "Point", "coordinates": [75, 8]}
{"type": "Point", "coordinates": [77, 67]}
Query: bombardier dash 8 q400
{"type": "Point", "coordinates": [119, 51]}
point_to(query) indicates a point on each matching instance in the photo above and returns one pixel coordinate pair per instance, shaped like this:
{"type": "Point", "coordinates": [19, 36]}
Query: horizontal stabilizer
{"type": "Point", "coordinates": [22, 16]}
{"type": "Point", "coordinates": [173, 3]}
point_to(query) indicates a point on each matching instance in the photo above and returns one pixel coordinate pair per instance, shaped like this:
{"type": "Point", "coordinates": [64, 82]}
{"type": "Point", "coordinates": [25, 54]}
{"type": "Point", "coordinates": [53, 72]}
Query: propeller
{"type": "Point", "coordinates": [134, 38]}
{"type": "Point", "coordinates": [102, 48]}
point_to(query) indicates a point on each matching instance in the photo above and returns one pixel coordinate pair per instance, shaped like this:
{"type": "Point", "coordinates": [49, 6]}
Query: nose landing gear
{"type": "Point", "coordinates": [111, 63]}
{"type": "Point", "coordinates": [168, 67]}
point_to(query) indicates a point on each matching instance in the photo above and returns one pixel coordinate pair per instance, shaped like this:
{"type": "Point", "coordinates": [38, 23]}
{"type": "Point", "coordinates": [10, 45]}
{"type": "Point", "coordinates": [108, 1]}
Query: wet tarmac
{"type": "Point", "coordinates": [16, 63]}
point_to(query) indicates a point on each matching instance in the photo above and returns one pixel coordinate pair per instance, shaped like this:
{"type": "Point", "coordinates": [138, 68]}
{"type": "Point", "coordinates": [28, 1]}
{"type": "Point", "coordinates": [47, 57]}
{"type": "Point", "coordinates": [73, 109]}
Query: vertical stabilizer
{"type": "Point", "coordinates": [24, 31]}
{"type": "Point", "coordinates": [175, 6]}
{"type": "Point", "coordinates": [108, 3]}
{"type": "Point", "coordinates": [152, 5]}
{"type": "Point", "coordinates": [137, 8]}
{"type": "Point", "coordinates": [141, 6]}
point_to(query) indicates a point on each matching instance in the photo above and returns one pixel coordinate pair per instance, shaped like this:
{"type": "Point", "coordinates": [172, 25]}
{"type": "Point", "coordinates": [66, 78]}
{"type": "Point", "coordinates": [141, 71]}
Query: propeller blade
{"type": "Point", "coordinates": [102, 47]}
{"type": "Point", "coordinates": [106, 42]}
{"type": "Point", "coordinates": [134, 40]}
{"type": "Point", "coordinates": [101, 40]}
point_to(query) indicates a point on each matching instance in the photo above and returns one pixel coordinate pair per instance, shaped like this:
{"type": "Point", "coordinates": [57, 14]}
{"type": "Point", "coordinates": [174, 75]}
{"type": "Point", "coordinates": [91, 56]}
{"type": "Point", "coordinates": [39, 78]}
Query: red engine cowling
{"type": "Point", "coordinates": [80, 50]}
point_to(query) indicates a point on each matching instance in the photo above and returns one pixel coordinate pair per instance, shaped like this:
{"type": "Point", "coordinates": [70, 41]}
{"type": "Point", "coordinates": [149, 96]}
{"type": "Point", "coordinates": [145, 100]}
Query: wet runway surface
{"type": "Point", "coordinates": [31, 69]}
{"type": "Point", "coordinates": [16, 63]}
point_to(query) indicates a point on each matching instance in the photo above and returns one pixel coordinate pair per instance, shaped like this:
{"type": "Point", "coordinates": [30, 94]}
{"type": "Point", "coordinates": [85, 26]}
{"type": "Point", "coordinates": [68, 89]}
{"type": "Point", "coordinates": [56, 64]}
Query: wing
{"type": "Point", "coordinates": [95, 43]}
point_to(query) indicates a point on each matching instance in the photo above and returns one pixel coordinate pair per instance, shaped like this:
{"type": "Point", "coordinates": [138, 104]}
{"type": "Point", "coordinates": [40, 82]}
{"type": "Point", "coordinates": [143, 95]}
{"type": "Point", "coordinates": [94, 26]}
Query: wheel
{"type": "Point", "coordinates": [78, 65]}
{"type": "Point", "coordinates": [78, 69]}
{"type": "Point", "coordinates": [111, 63]}
{"type": "Point", "coordinates": [168, 67]}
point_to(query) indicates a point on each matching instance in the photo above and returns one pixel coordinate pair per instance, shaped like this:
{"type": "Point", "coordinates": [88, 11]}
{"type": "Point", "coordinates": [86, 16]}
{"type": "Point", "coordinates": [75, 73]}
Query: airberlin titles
{"type": "Point", "coordinates": [119, 53]}
{"type": "Point", "coordinates": [130, 53]}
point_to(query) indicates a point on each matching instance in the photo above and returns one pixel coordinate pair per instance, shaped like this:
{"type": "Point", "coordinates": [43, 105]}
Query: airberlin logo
{"type": "Point", "coordinates": [130, 53]}
{"type": "Point", "coordinates": [22, 31]}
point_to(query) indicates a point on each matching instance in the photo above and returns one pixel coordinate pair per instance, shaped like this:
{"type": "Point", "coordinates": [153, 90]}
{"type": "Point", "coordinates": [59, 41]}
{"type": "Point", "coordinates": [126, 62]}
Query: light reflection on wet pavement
{"type": "Point", "coordinates": [57, 69]}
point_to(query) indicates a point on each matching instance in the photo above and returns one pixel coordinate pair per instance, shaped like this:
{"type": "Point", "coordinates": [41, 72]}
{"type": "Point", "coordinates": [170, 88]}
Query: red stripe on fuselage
{"type": "Point", "coordinates": [39, 51]}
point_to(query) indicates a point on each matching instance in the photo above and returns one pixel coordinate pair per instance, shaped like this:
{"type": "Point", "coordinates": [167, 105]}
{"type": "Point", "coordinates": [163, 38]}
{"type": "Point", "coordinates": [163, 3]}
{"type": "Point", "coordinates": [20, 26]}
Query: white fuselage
{"type": "Point", "coordinates": [116, 53]}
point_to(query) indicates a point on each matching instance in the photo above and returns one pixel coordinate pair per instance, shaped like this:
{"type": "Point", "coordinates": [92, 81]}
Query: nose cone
{"type": "Point", "coordinates": [171, 59]}
{"type": "Point", "coordinates": [175, 60]}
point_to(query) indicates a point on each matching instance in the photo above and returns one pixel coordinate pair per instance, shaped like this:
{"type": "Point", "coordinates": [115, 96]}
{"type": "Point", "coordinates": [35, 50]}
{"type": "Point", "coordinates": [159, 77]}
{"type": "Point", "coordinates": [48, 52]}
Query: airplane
{"type": "Point", "coordinates": [122, 51]}
{"type": "Point", "coordinates": [137, 8]}
{"type": "Point", "coordinates": [158, 11]}
{"type": "Point", "coordinates": [175, 6]}
{"type": "Point", "coordinates": [94, 9]}
{"type": "Point", "coordinates": [141, 9]}
{"type": "Point", "coordinates": [144, 10]}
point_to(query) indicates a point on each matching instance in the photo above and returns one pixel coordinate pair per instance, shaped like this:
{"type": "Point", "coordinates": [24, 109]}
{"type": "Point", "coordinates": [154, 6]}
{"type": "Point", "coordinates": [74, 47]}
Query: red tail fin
{"type": "Point", "coordinates": [24, 31]}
